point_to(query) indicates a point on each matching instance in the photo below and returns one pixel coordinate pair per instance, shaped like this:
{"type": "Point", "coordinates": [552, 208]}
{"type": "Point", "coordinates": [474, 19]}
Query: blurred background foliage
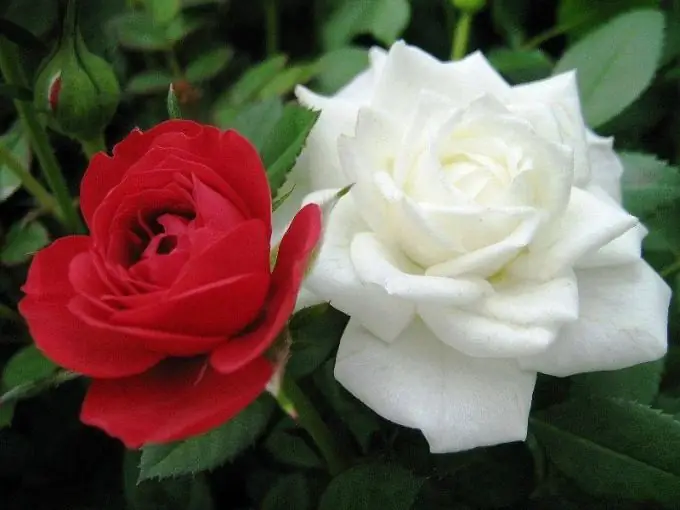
{"type": "Point", "coordinates": [235, 64]}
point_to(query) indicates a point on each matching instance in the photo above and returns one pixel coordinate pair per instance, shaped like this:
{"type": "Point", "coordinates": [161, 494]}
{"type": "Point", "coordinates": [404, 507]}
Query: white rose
{"type": "Point", "coordinates": [482, 242]}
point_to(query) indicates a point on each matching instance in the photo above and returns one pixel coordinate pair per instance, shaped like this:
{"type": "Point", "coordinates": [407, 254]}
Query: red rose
{"type": "Point", "coordinates": [169, 305]}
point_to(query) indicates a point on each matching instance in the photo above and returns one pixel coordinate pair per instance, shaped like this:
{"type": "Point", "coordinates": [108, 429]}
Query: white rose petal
{"type": "Point", "coordinates": [459, 402]}
{"type": "Point", "coordinates": [622, 322]}
{"type": "Point", "coordinates": [483, 241]}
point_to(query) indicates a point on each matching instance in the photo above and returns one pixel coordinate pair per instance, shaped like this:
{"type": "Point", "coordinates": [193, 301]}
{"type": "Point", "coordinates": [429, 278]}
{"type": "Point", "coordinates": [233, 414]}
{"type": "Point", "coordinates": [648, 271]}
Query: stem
{"type": "Point", "coordinates": [555, 31]}
{"type": "Point", "coordinates": [9, 314]}
{"type": "Point", "coordinates": [29, 182]}
{"type": "Point", "coordinates": [30, 389]}
{"type": "Point", "coordinates": [93, 145]}
{"type": "Point", "coordinates": [14, 75]}
{"type": "Point", "coordinates": [310, 420]}
{"type": "Point", "coordinates": [272, 26]}
{"type": "Point", "coordinates": [461, 35]}
{"type": "Point", "coordinates": [670, 269]}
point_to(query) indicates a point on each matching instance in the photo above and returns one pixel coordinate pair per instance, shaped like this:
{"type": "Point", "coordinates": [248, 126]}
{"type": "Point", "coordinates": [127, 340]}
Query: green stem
{"type": "Point", "coordinates": [309, 418]}
{"type": "Point", "coordinates": [670, 269]}
{"type": "Point", "coordinates": [271, 18]}
{"type": "Point", "coordinates": [29, 182]}
{"type": "Point", "coordinates": [14, 75]}
{"type": "Point", "coordinates": [9, 314]}
{"type": "Point", "coordinates": [555, 31]}
{"type": "Point", "coordinates": [93, 146]}
{"type": "Point", "coordinates": [461, 35]}
{"type": "Point", "coordinates": [31, 389]}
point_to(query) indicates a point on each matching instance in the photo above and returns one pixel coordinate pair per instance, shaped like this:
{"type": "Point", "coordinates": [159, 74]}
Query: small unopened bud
{"type": "Point", "coordinates": [78, 89]}
{"type": "Point", "coordinates": [471, 6]}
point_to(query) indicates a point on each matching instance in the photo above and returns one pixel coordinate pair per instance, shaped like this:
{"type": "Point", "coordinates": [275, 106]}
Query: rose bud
{"type": "Point", "coordinates": [78, 89]}
{"type": "Point", "coordinates": [171, 304]}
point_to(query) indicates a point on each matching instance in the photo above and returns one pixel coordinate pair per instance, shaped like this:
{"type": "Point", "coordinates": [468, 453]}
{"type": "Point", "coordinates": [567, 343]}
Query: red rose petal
{"type": "Point", "coordinates": [214, 210]}
{"type": "Point", "coordinates": [296, 246]}
{"type": "Point", "coordinates": [105, 172]}
{"type": "Point", "coordinates": [176, 400]}
{"type": "Point", "coordinates": [73, 344]}
{"type": "Point", "coordinates": [242, 168]}
{"type": "Point", "coordinates": [244, 250]}
{"type": "Point", "coordinates": [162, 342]}
{"type": "Point", "coordinates": [221, 308]}
{"type": "Point", "coordinates": [48, 274]}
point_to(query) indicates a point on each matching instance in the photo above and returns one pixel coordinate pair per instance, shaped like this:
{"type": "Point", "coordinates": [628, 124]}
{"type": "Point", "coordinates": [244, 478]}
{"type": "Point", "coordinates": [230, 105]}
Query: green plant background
{"type": "Point", "coordinates": [596, 441]}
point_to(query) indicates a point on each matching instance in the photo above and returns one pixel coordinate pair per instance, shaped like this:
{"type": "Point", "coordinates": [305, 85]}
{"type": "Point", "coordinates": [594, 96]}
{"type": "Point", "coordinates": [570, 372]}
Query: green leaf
{"type": "Point", "coordinates": [22, 241]}
{"type": "Point", "coordinates": [19, 35]}
{"type": "Point", "coordinates": [584, 15]}
{"type": "Point", "coordinates": [669, 405]}
{"type": "Point", "coordinates": [614, 448]}
{"type": "Point", "coordinates": [383, 19]}
{"type": "Point", "coordinates": [17, 12]}
{"type": "Point", "coordinates": [338, 67]}
{"type": "Point", "coordinates": [14, 92]}
{"type": "Point", "coordinates": [639, 383]}
{"type": "Point", "coordinates": [255, 121]}
{"type": "Point", "coordinates": [163, 11]}
{"type": "Point", "coordinates": [615, 63]}
{"type": "Point", "coordinates": [361, 421]}
{"type": "Point", "coordinates": [372, 486]}
{"type": "Point", "coordinates": [648, 183]}
{"type": "Point", "coordinates": [284, 82]}
{"type": "Point", "coordinates": [293, 450]}
{"type": "Point", "coordinates": [206, 452]}
{"type": "Point", "coordinates": [16, 142]}
{"type": "Point", "coordinates": [137, 31]}
{"type": "Point", "coordinates": [316, 332]}
{"type": "Point", "coordinates": [149, 82]}
{"type": "Point", "coordinates": [520, 66]}
{"type": "Point", "coordinates": [187, 493]}
{"type": "Point", "coordinates": [26, 366]}
{"type": "Point", "coordinates": [208, 65]}
{"type": "Point", "coordinates": [182, 26]}
{"type": "Point", "coordinates": [6, 414]}
{"type": "Point", "coordinates": [253, 80]}
{"type": "Point", "coordinates": [509, 18]}
{"type": "Point", "coordinates": [285, 143]}
{"type": "Point", "coordinates": [174, 109]}
{"type": "Point", "coordinates": [289, 493]}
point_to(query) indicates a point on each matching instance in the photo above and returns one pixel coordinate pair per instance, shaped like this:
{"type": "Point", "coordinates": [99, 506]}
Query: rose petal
{"type": "Point", "coordinates": [605, 166]}
{"type": "Point", "coordinates": [105, 172]}
{"type": "Point", "coordinates": [162, 342]}
{"type": "Point", "coordinates": [623, 319]}
{"type": "Point", "coordinates": [291, 262]}
{"type": "Point", "coordinates": [587, 225]}
{"type": "Point", "coordinates": [176, 400]}
{"type": "Point", "coordinates": [389, 269]}
{"type": "Point", "coordinates": [240, 166]}
{"type": "Point", "coordinates": [486, 337]}
{"type": "Point", "coordinates": [416, 381]}
{"type": "Point", "coordinates": [220, 308]}
{"type": "Point", "coordinates": [409, 70]}
{"type": "Point", "coordinates": [561, 94]}
{"type": "Point", "coordinates": [243, 250]}
{"type": "Point", "coordinates": [334, 279]}
{"type": "Point", "coordinates": [48, 276]}
{"type": "Point", "coordinates": [360, 89]}
{"type": "Point", "coordinates": [70, 342]}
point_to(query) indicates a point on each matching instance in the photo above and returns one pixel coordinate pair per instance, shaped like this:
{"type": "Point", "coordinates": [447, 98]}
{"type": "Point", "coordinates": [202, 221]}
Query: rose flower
{"type": "Point", "coordinates": [169, 305]}
{"type": "Point", "coordinates": [483, 242]}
